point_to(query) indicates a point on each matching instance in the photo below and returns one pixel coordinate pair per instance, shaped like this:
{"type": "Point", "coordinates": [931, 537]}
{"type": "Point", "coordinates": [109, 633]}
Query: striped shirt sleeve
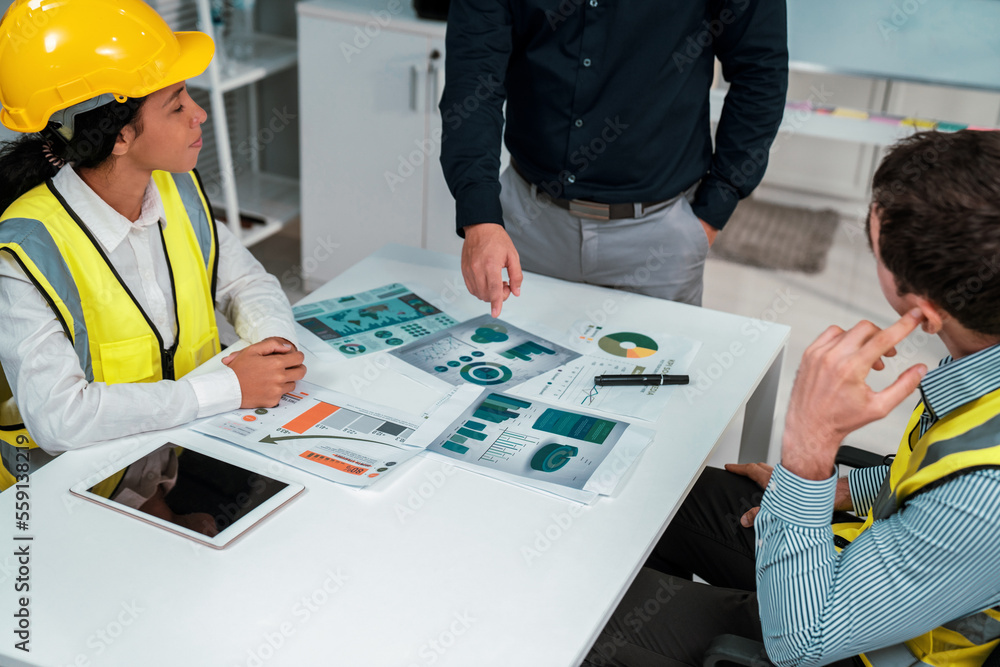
{"type": "Point", "coordinates": [930, 563]}
{"type": "Point", "coordinates": [864, 483]}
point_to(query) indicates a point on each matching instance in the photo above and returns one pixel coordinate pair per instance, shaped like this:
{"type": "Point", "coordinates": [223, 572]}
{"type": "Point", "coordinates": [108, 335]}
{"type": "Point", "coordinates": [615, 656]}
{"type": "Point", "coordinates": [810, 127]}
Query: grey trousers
{"type": "Point", "coordinates": [660, 254]}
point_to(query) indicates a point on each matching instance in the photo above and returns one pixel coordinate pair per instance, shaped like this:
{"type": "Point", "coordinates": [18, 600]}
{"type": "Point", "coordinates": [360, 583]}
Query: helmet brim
{"type": "Point", "coordinates": [197, 50]}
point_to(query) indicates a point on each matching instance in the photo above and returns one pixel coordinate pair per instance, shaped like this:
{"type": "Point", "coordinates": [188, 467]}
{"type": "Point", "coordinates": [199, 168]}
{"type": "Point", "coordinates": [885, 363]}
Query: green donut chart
{"type": "Point", "coordinates": [552, 457]}
{"type": "Point", "coordinates": [484, 372]}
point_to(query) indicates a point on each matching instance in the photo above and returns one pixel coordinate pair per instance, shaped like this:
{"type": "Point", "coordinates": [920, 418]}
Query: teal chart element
{"type": "Point", "coordinates": [491, 333]}
{"type": "Point", "coordinates": [485, 373]}
{"type": "Point", "coordinates": [498, 408]}
{"type": "Point", "coordinates": [552, 457]}
{"type": "Point", "coordinates": [525, 350]}
{"type": "Point", "coordinates": [352, 348]}
{"type": "Point", "coordinates": [574, 425]}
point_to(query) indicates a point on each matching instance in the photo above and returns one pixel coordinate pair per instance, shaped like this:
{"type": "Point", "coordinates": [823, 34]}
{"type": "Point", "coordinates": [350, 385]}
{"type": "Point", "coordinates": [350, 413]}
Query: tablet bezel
{"type": "Point", "coordinates": [225, 537]}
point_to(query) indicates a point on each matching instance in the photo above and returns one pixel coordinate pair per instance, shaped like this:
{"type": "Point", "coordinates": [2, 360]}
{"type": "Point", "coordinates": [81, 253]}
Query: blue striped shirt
{"type": "Point", "coordinates": [932, 562]}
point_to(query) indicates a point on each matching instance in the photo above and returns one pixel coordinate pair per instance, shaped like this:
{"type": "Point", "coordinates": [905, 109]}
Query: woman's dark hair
{"type": "Point", "coordinates": [24, 164]}
{"type": "Point", "coordinates": [937, 197]}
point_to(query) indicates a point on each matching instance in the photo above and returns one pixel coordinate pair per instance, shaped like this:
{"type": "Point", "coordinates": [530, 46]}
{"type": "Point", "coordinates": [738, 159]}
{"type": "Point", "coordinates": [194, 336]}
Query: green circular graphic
{"type": "Point", "coordinates": [628, 344]}
{"type": "Point", "coordinates": [485, 373]}
{"type": "Point", "coordinates": [353, 348]}
{"type": "Point", "coordinates": [552, 457]}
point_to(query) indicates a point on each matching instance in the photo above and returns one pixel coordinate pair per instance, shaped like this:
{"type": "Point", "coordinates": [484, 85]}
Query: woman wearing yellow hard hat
{"type": "Point", "coordinates": [111, 263]}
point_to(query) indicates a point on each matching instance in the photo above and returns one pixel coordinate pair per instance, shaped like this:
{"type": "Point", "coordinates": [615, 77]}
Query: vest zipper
{"type": "Point", "coordinates": [167, 363]}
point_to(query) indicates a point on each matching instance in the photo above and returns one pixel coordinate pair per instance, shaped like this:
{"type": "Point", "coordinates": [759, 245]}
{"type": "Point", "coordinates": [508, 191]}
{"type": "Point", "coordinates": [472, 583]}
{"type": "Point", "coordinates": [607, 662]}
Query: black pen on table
{"type": "Point", "coordinates": [639, 380]}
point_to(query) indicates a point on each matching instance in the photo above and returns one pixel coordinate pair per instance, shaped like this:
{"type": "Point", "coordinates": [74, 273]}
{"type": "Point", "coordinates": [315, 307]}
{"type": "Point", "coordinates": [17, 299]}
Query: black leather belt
{"type": "Point", "coordinates": [596, 210]}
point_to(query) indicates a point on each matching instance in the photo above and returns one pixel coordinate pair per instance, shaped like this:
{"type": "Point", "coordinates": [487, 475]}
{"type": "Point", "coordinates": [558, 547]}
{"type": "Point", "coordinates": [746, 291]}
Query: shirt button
{"type": "Point", "coordinates": [571, 178]}
{"type": "Point", "coordinates": [586, 62]}
{"type": "Point", "coordinates": [579, 122]}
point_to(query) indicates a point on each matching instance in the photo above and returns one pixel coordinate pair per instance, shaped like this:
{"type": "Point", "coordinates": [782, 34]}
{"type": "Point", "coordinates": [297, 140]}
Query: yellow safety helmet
{"type": "Point", "coordinates": [57, 53]}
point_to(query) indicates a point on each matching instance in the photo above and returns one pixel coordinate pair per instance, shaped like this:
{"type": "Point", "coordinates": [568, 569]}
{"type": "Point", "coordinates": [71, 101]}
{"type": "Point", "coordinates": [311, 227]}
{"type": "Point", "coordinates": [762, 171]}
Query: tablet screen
{"type": "Point", "coordinates": [189, 489]}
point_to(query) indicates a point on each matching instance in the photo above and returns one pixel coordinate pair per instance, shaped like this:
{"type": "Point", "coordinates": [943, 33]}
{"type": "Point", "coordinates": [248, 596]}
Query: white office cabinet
{"type": "Point", "coordinates": [370, 80]}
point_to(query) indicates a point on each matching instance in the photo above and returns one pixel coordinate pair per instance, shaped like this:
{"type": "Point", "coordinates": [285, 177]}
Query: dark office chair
{"type": "Point", "coordinates": [736, 650]}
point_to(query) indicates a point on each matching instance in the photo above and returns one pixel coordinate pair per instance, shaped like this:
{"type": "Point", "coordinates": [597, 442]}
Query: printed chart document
{"type": "Point", "coordinates": [335, 436]}
{"type": "Point", "coordinates": [383, 318]}
{"type": "Point", "coordinates": [533, 444]}
{"type": "Point", "coordinates": [615, 350]}
{"type": "Point", "coordinates": [482, 351]}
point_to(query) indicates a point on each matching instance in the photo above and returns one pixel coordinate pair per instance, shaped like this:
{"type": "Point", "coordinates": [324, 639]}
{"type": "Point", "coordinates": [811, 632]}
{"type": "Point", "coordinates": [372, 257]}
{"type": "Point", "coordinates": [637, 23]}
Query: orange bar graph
{"type": "Point", "coordinates": [334, 463]}
{"type": "Point", "coordinates": [311, 417]}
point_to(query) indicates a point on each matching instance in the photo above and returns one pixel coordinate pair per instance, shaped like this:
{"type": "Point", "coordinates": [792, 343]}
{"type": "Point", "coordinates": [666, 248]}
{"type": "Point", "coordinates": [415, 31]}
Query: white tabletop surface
{"type": "Point", "coordinates": [431, 565]}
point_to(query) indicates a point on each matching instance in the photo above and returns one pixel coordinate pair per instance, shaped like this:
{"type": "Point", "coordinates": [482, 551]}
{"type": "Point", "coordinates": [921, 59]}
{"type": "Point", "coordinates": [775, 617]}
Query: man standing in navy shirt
{"type": "Point", "coordinates": [614, 179]}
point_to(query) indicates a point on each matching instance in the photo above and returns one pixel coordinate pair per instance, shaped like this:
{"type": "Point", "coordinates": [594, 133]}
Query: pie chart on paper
{"type": "Point", "coordinates": [628, 344]}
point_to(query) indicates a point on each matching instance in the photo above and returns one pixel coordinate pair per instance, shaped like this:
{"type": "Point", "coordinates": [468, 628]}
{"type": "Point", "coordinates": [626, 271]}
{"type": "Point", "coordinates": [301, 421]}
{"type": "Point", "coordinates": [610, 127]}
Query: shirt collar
{"type": "Point", "coordinates": [957, 382]}
{"type": "Point", "coordinates": [107, 225]}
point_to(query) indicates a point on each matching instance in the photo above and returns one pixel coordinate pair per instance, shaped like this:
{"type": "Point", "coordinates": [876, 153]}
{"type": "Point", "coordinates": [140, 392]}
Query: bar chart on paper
{"type": "Point", "coordinates": [508, 435]}
{"type": "Point", "coordinates": [332, 435]}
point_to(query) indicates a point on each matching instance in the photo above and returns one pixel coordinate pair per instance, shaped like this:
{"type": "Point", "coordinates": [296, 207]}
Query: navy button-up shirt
{"type": "Point", "coordinates": [607, 100]}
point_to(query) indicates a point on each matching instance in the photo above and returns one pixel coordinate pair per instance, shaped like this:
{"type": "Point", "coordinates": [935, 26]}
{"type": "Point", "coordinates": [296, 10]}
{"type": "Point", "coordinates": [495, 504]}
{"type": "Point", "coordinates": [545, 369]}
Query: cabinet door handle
{"type": "Point", "coordinates": [435, 69]}
{"type": "Point", "coordinates": [415, 88]}
{"type": "Point", "coordinates": [436, 72]}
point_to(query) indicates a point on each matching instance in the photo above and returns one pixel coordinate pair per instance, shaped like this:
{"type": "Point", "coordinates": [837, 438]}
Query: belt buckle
{"type": "Point", "coordinates": [590, 209]}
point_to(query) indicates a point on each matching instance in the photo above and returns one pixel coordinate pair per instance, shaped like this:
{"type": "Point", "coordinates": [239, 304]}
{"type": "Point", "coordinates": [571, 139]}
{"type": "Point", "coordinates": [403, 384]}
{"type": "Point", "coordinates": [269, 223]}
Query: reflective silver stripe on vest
{"type": "Point", "coordinates": [188, 189]}
{"type": "Point", "coordinates": [38, 244]}
{"type": "Point", "coordinates": [977, 628]}
{"type": "Point", "coordinates": [894, 656]}
{"type": "Point", "coordinates": [12, 455]}
{"type": "Point", "coordinates": [984, 436]}
{"type": "Point", "coordinates": [885, 502]}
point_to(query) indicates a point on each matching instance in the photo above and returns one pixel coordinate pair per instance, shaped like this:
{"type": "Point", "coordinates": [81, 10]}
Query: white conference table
{"type": "Point", "coordinates": [431, 565]}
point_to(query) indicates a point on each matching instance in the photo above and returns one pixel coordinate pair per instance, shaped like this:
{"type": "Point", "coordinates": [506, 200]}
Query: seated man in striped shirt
{"type": "Point", "coordinates": [918, 581]}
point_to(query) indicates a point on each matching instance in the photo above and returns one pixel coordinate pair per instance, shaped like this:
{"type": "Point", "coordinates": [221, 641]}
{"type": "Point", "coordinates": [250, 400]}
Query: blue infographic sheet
{"type": "Point", "coordinates": [380, 319]}
{"type": "Point", "coordinates": [484, 351]}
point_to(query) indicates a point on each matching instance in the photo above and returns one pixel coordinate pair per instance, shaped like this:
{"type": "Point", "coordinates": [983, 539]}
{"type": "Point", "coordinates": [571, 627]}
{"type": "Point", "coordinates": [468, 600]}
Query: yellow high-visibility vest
{"type": "Point", "coordinates": [113, 338]}
{"type": "Point", "coordinates": [966, 439]}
